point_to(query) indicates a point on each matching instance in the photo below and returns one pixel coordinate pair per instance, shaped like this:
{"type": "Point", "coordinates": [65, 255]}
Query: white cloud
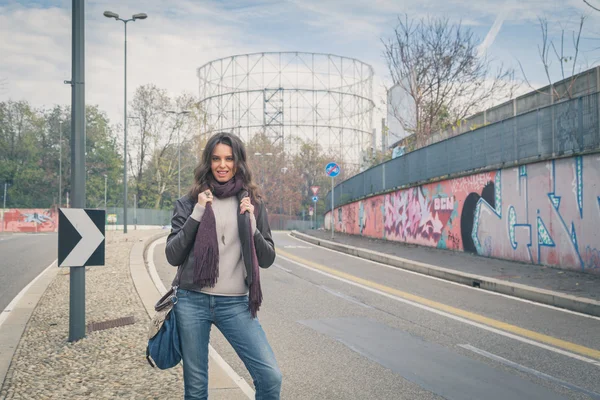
{"type": "Point", "coordinates": [181, 35]}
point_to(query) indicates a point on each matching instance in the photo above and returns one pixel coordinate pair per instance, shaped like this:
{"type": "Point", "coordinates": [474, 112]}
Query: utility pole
{"type": "Point", "coordinates": [60, 166]}
{"type": "Point", "coordinates": [77, 275]}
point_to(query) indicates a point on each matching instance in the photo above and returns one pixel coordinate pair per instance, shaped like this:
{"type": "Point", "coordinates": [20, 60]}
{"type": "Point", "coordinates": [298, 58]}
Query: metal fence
{"type": "Point", "coordinates": [567, 128]}
{"type": "Point", "coordinates": [139, 216]}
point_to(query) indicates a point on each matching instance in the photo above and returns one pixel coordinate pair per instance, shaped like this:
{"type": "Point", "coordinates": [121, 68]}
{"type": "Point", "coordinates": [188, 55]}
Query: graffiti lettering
{"type": "Point", "coordinates": [443, 203]}
{"type": "Point", "coordinates": [472, 183]}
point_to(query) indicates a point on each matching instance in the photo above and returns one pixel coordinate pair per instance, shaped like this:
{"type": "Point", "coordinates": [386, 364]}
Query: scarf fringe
{"type": "Point", "coordinates": [255, 298]}
{"type": "Point", "coordinates": [206, 251]}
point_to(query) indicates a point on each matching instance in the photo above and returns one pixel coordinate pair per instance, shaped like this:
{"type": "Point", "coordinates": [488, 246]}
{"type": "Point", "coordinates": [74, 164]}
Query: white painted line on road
{"type": "Point", "coordinates": [280, 267]}
{"type": "Point", "coordinates": [241, 382]}
{"type": "Point", "coordinates": [6, 312]}
{"type": "Point", "coordinates": [329, 290]}
{"type": "Point", "coordinates": [449, 315]}
{"type": "Point", "coordinates": [528, 370]}
{"type": "Point", "coordinates": [451, 282]}
{"type": "Point", "coordinates": [152, 268]}
{"type": "Point", "coordinates": [343, 296]}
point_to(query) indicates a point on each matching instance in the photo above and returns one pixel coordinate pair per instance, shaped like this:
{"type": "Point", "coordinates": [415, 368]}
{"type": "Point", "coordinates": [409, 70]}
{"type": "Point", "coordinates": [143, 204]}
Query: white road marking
{"type": "Point", "coordinates": [329, 290]}
{"type": "Point", "coordinates": [450, 282]}
{"type": "Point", "coordinates": [528, 370]}
{"type": "Point", "coordinates": [451, 316]}
{"type": "Point", "coordinates": [280, 267]}
{"type": "Point", "coordinates": [6, 312]}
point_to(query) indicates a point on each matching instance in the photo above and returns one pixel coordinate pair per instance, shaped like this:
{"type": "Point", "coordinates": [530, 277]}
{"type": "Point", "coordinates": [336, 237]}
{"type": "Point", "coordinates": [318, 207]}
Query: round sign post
{"type": "Point", "coordinates": [315, 199]}
{"type": "Point", "coordinates": [332, 169]}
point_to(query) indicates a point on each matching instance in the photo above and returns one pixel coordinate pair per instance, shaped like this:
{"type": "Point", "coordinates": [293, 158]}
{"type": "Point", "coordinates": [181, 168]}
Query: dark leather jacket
{"type": "Point", "coordinates": [180, 242]}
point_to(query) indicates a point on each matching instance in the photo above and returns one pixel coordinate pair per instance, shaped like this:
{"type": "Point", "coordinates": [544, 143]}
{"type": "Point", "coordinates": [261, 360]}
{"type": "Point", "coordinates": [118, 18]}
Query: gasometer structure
{"type": "Point", "coordinates": [293, 98]}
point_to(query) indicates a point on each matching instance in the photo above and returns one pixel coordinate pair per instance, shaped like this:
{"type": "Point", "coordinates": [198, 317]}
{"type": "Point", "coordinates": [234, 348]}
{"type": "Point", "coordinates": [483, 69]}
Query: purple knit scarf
{"type": "Point", "coordinates": [206, 246]}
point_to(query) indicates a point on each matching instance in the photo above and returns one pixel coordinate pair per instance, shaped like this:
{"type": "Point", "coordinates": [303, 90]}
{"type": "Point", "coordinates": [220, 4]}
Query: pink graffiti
{"type": "Point", "coordinates": [30, 220]}
{"type": "Point", "coordinates": [409, 217]}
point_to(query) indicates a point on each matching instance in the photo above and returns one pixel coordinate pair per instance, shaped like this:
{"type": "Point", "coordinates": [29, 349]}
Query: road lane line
{"type": "Point", "coordinates": [556, 345]}
{"type": "Point", "coordinates": [531, 371]}
{"type": "Point", "coordinates": [8, 309]}
{"type": "Point", "coordinates": [284, 269]}
{"type": "Point", "coordinates": [462, 285]}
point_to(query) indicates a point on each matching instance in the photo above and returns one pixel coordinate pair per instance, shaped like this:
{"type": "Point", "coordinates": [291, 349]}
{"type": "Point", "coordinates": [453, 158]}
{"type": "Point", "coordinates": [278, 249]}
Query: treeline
{"type": "Point", "coordinates": [31, 140]}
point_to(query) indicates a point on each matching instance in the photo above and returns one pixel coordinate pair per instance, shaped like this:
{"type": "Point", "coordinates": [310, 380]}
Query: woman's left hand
{"type": "Point", "coordinates": [246, 205]}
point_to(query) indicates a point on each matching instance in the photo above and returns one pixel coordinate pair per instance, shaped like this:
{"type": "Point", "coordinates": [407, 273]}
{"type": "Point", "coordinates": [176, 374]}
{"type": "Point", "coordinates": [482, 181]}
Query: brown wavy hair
{"type": "Point", "coordinates": [203, 176]}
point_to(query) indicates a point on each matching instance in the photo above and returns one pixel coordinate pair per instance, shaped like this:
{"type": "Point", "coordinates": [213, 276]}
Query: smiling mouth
{"type": "Point", "coordinates": [222, 172]}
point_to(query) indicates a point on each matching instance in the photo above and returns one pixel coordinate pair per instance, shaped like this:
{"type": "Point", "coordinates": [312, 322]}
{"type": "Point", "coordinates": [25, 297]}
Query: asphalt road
{"type": "Point", "coordinates": [22, 258]}
{"type": "Point", "coordinates": [345, 328]}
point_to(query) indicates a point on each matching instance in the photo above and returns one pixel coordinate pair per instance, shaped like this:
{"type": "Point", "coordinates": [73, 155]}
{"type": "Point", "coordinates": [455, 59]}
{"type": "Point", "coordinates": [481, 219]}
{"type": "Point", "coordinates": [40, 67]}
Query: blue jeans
{"type": "Point", "coordinates": [196, 312]}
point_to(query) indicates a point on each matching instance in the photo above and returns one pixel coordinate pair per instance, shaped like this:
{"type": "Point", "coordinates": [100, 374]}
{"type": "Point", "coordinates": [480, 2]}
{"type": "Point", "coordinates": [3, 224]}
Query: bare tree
{"type": "Point", "coordinates": [151, 130]}
{"type": "Point", "coordinates": [438, 66]}
{"type": "Point", "coordinates": [548, 47]}
{"type": "Point", "coordinates": [595, 8]}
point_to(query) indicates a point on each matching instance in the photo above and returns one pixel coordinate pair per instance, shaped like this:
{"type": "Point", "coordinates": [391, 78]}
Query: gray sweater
{"type": "Point", "coordinates": [232, 273]}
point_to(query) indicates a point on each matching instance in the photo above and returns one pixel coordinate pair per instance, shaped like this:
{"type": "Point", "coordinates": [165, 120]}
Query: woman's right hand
{"type": "Point", "coordinates": [205, 197]}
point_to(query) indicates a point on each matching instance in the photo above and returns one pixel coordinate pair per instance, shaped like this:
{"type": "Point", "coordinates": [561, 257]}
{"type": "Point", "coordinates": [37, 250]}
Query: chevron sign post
{"type": "Point", "coordinates": [80, 237]}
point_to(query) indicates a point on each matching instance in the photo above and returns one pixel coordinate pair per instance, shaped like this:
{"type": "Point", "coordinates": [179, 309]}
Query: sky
{"type": "Point", "coordinates": [181, 35]}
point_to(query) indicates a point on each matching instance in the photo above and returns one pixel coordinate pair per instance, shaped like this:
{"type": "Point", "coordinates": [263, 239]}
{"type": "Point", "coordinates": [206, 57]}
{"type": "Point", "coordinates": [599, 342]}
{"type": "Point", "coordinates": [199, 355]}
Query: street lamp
{"type": "Point", "coordinates": [283, 171]}
{"type": "Point", "coordinates": [60, 165]}
{"type": "Point", "coordinates": [110, 14]}
{"type": "Point", "coordinates": [184, 112]}
{"type": "Point", "coordinates": [105, 186]}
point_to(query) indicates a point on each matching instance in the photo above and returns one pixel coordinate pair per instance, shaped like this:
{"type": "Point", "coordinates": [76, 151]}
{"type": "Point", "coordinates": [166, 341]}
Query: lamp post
{"type": "Point", "coordinates": [105, 187]}
{"type": "Point", "coordinates": [60, 165]}
{"type": "Point", "coordinates": [184, 112]}
{"type": "Point", "coordinates": [110, 14]}
{"type": "Point", "coordinates": [283, 171]}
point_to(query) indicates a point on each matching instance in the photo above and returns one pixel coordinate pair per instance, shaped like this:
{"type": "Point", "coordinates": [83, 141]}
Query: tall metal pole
{"type": "Point", "coordinates": [125, 142]}
{"type": "Point", "coordinates": [105, 187]}
{"type": "Point", "coordinates": [77, 275]}
{"type": "Point", "coordinates": [332, 216]}
{"type": "Point", "coordinates": [60, 167]}
{"type": "Point", "coordinates": [179, 167]}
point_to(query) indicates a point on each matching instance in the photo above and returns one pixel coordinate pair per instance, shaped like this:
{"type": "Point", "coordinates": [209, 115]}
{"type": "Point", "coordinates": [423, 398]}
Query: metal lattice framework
{"type": "Point", "coordinates": [320, 98]}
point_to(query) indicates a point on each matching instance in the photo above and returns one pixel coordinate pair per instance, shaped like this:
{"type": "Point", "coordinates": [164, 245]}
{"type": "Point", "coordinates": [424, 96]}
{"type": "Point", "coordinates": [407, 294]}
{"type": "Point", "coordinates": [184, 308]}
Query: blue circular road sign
{"type": "Point", "coordinates": [332, 169]}
{"type": "Point", "coordinates": [315, 198]}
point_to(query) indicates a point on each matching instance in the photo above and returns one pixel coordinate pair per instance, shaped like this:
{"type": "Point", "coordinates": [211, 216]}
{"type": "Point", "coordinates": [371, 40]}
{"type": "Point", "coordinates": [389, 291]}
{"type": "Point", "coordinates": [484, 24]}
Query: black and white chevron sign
{"type": "Point", "coordinates": [80, 237]}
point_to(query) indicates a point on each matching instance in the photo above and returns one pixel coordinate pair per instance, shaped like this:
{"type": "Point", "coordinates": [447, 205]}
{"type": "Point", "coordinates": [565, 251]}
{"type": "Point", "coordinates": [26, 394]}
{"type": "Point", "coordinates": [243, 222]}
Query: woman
{"type": "Point", "coordinates": [220, 237]}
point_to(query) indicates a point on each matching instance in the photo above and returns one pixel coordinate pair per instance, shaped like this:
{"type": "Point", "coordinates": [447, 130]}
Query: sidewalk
{"type": "Point", "coordinates": [37, 361]}
{"type": "Point", "coordinates": [572, 290]}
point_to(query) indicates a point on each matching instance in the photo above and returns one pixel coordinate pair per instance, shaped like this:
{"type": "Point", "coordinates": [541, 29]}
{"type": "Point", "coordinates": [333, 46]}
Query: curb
{"type": "Point", "coordinates": [543, 296]}
{"type": "Point", "coordinates": [16, 315]}
{"type": "Point", "coordinates": [145, 287]}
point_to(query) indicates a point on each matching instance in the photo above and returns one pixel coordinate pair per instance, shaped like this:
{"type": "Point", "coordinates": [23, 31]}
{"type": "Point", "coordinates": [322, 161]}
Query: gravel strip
{"type": "Point", "coordinates": [106, 364]}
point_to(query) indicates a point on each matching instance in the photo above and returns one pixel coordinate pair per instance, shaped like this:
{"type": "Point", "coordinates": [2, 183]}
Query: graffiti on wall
{"type": "Point", "coordinates": [30, 220]}
{"type": "Point", "coordinates": [542, 213]}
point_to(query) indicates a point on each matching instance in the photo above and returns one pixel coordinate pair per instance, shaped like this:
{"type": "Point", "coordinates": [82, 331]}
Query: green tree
{"type": "Point", "coordinates": [23, 155]}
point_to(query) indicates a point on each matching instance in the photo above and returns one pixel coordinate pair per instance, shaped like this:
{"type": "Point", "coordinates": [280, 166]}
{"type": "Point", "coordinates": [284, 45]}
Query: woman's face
{"type": "Point", "coordinates": [222, 163]}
